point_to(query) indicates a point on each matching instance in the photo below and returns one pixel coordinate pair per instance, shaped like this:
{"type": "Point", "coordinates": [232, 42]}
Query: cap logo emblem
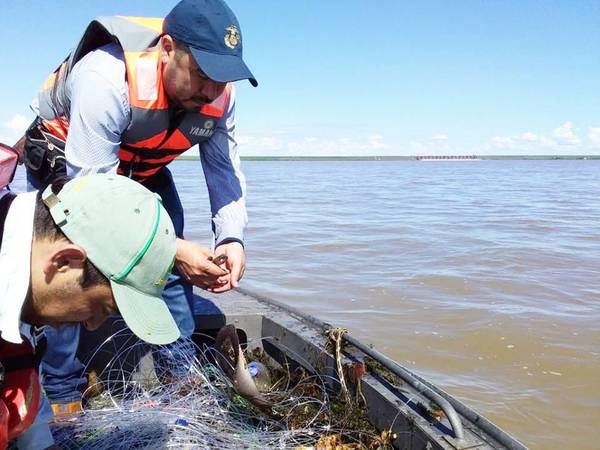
{"type": "Point", "coordinates": [232, 38]}
{"type": "Point", "coordinates": [160, 282]}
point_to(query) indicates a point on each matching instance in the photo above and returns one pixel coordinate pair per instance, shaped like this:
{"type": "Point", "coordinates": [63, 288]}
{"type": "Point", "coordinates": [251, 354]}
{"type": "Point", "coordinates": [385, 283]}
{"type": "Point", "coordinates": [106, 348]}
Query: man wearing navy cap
{"type": "Point", "coordinates": [134, 94]}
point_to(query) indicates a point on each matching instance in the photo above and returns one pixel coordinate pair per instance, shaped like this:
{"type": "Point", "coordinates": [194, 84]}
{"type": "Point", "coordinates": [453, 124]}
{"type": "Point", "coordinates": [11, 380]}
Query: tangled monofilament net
{"type": "Point", "coordinates": [197, 410]}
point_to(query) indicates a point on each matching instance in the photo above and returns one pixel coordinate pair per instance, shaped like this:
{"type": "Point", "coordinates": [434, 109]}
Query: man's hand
{"type": "Point", "coordinates": [235, 264]}
{"type": "Point", "coordinates": [193, 263]}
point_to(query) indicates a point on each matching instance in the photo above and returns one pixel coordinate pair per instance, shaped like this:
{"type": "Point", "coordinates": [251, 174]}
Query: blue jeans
{"type": "Point", "coordinates": [62, 370]}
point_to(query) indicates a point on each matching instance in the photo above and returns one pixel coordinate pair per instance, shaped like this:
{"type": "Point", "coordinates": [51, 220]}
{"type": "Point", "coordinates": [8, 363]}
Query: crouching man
{"type": "Point", "coordinates": [76, 253]}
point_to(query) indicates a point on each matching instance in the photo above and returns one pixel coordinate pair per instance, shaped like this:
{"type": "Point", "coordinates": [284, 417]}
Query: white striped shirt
{"type": "Point", "coordinates": [100, 112]}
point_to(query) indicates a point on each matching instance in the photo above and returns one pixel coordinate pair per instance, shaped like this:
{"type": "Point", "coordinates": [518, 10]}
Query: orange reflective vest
{"type": "Point", "coordinates": [153, 138]}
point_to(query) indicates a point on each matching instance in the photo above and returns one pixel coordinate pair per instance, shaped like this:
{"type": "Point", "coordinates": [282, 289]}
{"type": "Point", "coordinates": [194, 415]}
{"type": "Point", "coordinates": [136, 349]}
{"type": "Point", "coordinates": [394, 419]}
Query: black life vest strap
{"type": "Point", "coordinates": [20, 362]}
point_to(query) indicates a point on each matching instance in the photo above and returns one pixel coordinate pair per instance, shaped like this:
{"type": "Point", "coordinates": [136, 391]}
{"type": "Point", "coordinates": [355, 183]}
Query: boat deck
{"type": "Point", "coordinates": [402, 405]}
{"type": "Point", "coordinates": [393, 405]}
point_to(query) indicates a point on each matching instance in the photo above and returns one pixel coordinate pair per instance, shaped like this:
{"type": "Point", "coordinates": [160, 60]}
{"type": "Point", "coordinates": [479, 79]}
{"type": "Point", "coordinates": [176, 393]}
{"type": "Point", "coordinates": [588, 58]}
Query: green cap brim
{"type": "Point", "coordinates": [147, 316]}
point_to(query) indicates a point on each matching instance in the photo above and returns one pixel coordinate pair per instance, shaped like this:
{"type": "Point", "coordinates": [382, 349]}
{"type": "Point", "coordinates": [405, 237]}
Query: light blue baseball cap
{"type": "Point", "coordinates": [128, 235]}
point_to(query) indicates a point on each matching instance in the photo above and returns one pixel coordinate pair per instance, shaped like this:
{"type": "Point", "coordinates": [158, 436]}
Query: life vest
{"type": "Point", "coordinates": [19, 383]}
{"type": "Point", "coordinates": [153, 138]}
{"type": "Point", "coordinates": [8, 164]}
{"type": "Point", "coordinates": [20, 395]}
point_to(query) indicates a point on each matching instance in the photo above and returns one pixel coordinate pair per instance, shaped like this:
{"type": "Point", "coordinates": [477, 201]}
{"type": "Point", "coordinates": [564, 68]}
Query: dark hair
{"type": "Point", "coordinates": [181, 48]}
{"type": "Point", "coordinates": [45, 228]}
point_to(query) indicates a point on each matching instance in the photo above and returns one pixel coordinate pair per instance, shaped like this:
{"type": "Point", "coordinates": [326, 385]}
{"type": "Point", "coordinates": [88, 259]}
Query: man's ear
{"type": "Point", "coordinates": [167, 48]}
{"type": "Point", "coordinates": [64, 257]}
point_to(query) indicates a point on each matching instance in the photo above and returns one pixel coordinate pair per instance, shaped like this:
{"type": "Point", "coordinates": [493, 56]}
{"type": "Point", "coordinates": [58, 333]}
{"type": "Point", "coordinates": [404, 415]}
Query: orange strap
{"type": "Point", "coordinates": [61, 409]}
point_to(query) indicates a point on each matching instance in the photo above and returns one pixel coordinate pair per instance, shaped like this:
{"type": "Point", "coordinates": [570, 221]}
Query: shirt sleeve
{"type": "Point", "coordinates": [99, 113]}
{"type": "Point", "coordinates": [225, 180]}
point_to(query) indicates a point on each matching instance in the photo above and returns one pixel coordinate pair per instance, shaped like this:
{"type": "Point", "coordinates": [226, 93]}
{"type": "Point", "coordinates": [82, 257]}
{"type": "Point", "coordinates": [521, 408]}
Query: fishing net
{"type": "Point", "coordinates": [142, 405]}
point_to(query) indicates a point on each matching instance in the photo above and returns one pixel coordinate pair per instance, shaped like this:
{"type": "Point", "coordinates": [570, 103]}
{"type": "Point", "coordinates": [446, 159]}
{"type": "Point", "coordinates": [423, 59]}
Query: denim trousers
{"type": "Point", "coordinates": [63, 371]}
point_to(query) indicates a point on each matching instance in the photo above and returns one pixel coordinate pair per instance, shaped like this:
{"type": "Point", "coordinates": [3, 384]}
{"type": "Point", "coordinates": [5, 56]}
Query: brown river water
{"type": "Point", "coordinates": [482, 276]}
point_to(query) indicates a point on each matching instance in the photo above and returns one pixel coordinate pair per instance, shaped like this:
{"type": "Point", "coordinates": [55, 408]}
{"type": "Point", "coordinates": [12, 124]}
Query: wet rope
{"type": "Point", "coordinates": [336, 335]}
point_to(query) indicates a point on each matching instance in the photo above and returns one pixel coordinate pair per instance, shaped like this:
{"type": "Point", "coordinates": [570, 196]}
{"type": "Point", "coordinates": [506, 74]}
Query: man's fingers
{"type": "Point", "coordinates": [224, 279]}
{"type": "Point", "coordinates": [235, 276]}
{"type": "Point", "coordinates": [215, 270]}
{"type": "Point", "coordinates": [237, 272]}
{"type": "Point", "coordinates": [223, 284]}
{"type": "Point", "coordinates": [224, 288]}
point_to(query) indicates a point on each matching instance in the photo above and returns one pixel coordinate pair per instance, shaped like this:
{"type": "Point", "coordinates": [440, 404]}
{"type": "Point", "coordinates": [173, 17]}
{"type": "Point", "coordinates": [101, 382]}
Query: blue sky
{"type": "Point", "coordinates": [369, 77]}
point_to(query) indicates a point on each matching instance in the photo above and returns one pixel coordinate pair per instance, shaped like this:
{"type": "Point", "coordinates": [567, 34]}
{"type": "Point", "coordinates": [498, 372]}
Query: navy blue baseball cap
{"type": "Point", "coordinates": [212, 33]}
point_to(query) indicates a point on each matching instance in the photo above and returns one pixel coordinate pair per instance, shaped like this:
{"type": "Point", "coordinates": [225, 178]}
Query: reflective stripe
{"type": "Point", "coordinates": [153, 23]}
{"type": "Point", "coordinates": [144, 80]}
{"type": "Point", "coordinates": [58, 127]}
{"type": "Point", "coordinates": [60, 409]}
{"type": "Point", "coordinates": [50, 81]}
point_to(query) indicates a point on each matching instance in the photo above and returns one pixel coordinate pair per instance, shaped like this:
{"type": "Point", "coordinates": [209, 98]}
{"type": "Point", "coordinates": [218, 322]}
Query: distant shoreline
{"type": "Point", "coordinates": [399, 158]}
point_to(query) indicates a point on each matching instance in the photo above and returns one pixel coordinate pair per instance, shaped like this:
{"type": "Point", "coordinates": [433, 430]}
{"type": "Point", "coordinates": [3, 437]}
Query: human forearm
{"type": "Point", "coordinates": [225, 180]}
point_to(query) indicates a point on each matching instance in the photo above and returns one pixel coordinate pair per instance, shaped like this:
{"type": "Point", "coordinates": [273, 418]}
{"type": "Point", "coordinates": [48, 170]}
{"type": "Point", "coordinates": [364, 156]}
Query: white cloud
{"type": "Point", "coordinates": [529, 137]}
{"type": "Point", "coordinates": [560, 140]}
{"type": "Point", "coordinates": [12, 130]}
{"type": "Point", "coordinates": [503, 142]}
{"type": "Point", "coordinates": [563, 140]}
{"type": "Point", "coordinates": [282, 144]}
{"type": "Point", "coordinates": [525, 143]}
{"type": "Point", "coordinates": [376, 142]}
{"type": "Point", "coordinates": [440, 138]}
{"type": "Point", "coordinates": [264, 143]}
{"type": "Point", "coordinates": [565, 135]}
{"type": "Point", "coordinates": [18, 124]}
{"type": "Point", "coordinates": [594, 136]}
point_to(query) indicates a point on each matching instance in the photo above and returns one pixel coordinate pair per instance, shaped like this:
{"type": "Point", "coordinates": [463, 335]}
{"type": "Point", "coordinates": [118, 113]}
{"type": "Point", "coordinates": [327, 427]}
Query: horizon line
{"type": "Point", "coordinates": [403, 157]}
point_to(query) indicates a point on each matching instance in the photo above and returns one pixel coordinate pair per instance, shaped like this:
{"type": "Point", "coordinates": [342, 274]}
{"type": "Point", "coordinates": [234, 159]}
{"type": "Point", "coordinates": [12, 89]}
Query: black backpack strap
{"type": "Point", "coordinates": [43, 154]}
